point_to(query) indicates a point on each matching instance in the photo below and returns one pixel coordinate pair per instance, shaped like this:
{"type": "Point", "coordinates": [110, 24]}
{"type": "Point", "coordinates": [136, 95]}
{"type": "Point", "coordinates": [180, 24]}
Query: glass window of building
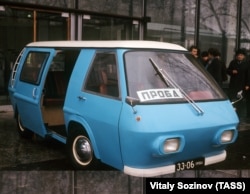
{"type": "Point", "coordinates": [119, 7]}
{"type": "Point", "coordinates": [52, 26]}
{"type": "Point", "coordinates": [171, 21]}
{"type": "Point", "coordinates": [16, 30]}
{"type": "Point", "coordinates": [109, 28]}
{"type": "Point", "coordinates": [218, 22]}
{"type": "Point", "coordinates": [19, 26]}
{"type": "Point", "coordinates": [245, 25]}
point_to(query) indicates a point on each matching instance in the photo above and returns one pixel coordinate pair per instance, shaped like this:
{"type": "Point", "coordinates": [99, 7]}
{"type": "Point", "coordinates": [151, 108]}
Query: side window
{"type": "Point", "coordinates": [33, 66]}
{"type": "Point", "coordinates": [103, 77]}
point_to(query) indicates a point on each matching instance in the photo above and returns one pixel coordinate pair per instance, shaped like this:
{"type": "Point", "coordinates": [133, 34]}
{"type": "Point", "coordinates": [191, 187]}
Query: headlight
{"type": "Point", "coordinates": [171, 145]}
{"type": "Point", "coordinates": [227, 136]}
{"type": "Point", "coordinates": [164, 145]}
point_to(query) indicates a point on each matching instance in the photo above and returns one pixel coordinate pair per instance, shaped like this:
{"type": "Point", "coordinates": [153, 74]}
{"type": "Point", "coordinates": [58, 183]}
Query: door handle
{"type": "Point", "coordinates": [34, 93]}
{"type": "Point", "coordinates": [81, 98]}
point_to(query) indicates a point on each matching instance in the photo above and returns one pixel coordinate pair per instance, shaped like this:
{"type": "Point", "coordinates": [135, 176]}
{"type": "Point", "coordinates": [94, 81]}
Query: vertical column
{"type": "Point", "coordinates": [34, 26]}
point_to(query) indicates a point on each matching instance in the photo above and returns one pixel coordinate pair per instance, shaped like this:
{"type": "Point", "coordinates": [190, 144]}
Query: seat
{"type": "Point", "coordinates": [55, 89]}
{"type": "Point", "coordinates": [60, 83]}
{"type": "Point", "coordinates": [103, 84]}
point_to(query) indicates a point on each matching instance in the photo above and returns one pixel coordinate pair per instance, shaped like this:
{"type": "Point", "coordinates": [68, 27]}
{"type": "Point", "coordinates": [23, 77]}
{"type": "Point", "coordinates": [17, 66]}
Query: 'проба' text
{"type": "Point", "coordinates": [159, 94]}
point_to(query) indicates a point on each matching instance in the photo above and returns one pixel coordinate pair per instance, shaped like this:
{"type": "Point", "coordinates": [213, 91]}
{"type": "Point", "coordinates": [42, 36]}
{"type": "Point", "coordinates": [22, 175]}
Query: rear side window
{"type": "Point", "coordinates": [102, 77]}
{"type": "Point", "coordinates": [33, 66]}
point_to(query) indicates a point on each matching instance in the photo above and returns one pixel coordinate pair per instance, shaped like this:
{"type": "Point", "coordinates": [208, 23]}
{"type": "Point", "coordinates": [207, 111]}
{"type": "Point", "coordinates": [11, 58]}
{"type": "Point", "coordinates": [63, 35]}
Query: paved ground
{"type": "Point", "coordinates": [40, 154]}
{"type": "Point", "coordinates": [30, 154]}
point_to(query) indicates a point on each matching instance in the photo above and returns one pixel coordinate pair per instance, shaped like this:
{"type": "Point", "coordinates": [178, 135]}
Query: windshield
{"type": "Point", "coordinates": [164, 76]}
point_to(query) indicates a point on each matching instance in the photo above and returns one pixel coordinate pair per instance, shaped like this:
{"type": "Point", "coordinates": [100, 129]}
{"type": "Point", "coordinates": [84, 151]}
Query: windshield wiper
{"type": "Point", "coordinates": [159, 72]}
{"type": "Point", "coordinates": [169, 81]}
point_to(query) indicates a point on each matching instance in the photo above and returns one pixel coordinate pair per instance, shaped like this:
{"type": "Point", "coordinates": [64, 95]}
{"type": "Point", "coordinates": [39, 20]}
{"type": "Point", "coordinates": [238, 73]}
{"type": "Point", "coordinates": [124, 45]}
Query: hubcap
{"type": "Point", "coordinates": [20, 124]}
{"type": "Point", "coordinates": [82, 150]}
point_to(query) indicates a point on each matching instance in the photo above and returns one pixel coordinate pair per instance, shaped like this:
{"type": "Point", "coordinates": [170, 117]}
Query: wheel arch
{"type": "Point", "coordinates": [15, 109]}
{"type": "Point", "coordinates": [74, 126]}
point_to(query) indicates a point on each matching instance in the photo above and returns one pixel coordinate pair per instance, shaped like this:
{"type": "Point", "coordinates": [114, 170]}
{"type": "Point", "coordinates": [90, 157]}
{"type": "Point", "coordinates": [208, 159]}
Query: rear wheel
{"type": "Point", "coordinates": [80, 150]}
{"type": "Point", "coordinates": [23, 132]}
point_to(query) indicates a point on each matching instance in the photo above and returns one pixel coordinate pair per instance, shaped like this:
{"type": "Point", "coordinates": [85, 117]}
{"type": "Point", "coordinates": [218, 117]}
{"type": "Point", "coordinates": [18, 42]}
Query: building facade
{"type": "Point", "coordinates": [206, 23]}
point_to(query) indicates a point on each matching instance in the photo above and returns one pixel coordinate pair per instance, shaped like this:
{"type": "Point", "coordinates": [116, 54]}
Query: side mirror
{"type": "Point", "coordinates": [239, 97]}
{"type": "Point", "coordinates": [239, 94]}
{"type": "Point", "coordinates": [132, 101]}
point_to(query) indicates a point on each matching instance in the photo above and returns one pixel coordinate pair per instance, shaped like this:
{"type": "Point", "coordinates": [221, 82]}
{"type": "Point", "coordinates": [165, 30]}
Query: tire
{"type": "Point", "coordinates": [22, 131]}
{"type": "Point", "coordinates": [80, 151]}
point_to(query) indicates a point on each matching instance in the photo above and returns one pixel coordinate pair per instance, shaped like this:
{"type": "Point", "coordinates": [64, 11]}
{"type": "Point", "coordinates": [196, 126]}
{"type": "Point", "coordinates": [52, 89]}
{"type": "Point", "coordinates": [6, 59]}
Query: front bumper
{"type": "Point", "coordinates": [151, 172]}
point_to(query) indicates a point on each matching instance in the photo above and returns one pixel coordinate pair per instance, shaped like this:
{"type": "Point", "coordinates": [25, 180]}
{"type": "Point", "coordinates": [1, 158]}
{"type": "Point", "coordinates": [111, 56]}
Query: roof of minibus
{"type": "Point", "coordinates": [109, 44]}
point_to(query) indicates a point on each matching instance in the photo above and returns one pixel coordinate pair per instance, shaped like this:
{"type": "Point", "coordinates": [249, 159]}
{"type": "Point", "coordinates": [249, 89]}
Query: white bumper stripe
{"type": "Point", "coordinates": [216, 158]}
{"type": "Point", "coordinates": [151, 172]}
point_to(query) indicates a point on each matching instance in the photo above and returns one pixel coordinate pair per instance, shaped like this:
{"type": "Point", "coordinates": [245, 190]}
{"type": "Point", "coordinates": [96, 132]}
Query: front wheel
{"type": "Point", "coordinates": [80, 151]}
{"type": "Point", "coordinates": [23, 132]}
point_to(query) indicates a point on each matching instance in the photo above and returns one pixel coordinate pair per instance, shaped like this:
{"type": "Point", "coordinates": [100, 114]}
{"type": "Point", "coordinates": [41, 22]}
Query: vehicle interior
{"type": "Point", "coordinates": [55, 87]}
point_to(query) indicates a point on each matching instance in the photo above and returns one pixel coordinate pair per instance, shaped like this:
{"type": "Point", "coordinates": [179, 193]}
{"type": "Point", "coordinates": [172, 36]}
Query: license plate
{"type": "Point", "coordinates": [190, 164]}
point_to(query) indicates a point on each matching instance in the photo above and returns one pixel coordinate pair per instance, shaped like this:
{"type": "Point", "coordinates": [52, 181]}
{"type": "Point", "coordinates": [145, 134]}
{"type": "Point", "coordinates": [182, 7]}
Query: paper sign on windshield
{"type": "Point", "coordinates": [159, 94]}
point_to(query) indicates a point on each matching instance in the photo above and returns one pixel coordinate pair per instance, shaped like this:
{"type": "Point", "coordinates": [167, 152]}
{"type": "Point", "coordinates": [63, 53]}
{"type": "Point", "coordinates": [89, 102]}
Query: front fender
{"type": "Point", "coordinates": [84, 125]}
